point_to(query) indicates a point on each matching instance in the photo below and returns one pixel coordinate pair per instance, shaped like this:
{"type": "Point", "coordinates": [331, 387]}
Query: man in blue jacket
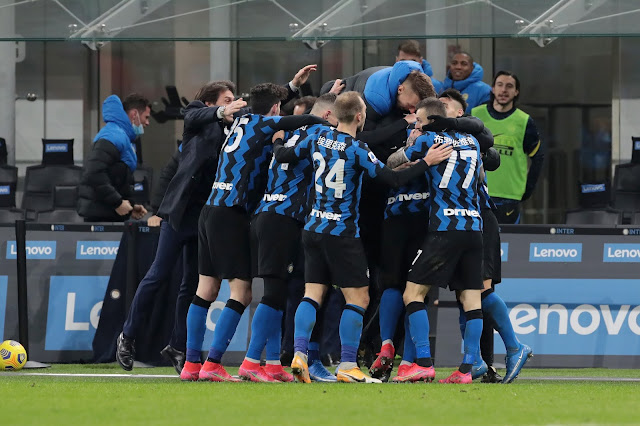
{"type": "Point", "coordinates": [409, 50]}
{"type": "Point", "coordinates": [106, 187]}
{"type": "Point", "coordinates": [466, 77]}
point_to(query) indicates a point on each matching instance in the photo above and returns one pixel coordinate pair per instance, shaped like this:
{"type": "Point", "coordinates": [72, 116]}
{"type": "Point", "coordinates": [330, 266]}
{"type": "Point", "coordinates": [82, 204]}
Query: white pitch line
{"type": "Point", "coordinates": [131, 376]}
{"type": "Point", "coordinates": [170, 376]}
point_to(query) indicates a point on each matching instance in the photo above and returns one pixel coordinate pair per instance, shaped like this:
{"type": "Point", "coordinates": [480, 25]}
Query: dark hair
{"type": "Point", "coordinates": [347, 105]}
{"type": "Point", "coordinates": [306, 101]}
{"type": "Point", "coordinates": [509, 74]}
{"type": "Point", "coordinates": [421, 84]}
{"type": "Point", "coordinates": [410, 47]}
{"type": "Point", "coordinates": [326, 100]}
{"type": "Point", "coordinates": [137, 101]}
{"type": "Point", "coordinates": [454, 95]}
{"type": "Point", "coordinates": [462, 52]}
{"type": "Point", "coordinates": [211, 91]}
{"type": "Point", "coordinates": [266, 95]}
{"type": "Point", "coordinates": [433, 106]}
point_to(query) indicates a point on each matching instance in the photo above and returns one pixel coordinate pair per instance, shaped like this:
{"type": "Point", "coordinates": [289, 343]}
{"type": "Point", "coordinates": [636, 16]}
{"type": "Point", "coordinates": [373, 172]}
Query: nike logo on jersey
{"type": "Point", "coordinates": [325, 215]}
{"type": "Point", "coordinates": [510, 213]}
{"type": "Point", "coordinates": [408, 197]}
{"type": "Point", "coordinates": [223, 185]}
{"type": "Point", "coordinates": [461, 212]}
{"type": "Point", "coordinates": [274, 197]}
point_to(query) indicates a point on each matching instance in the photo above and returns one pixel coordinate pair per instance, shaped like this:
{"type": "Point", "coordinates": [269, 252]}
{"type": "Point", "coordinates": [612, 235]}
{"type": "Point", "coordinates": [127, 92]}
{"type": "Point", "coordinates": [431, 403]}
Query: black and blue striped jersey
{"type": "Point", "coordinates": [453, 184]}
{"type": "Point", "coordinates": [484, 199]}
{"type": "Point", "coordinates": [288, 184]}
{"type": "Point", "coordinates": [339, 162]}
{"type": "Point", "coordinates": [412, 198]}
{"type": "Point", "coordinates": [242, 168]}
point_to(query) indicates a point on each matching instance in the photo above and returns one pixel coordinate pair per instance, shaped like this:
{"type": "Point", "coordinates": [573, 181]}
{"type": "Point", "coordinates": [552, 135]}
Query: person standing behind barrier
{"type": "Point", "coordinates": [409, 50]}
{"type": "Point", "coordinates": [180, 208]}
{"type": "Point", "coordinates": [107, 183]}
{"type": "Point", "coordinates": [517, 140]}
{"type": "Point", "coordinates": [465, 76]}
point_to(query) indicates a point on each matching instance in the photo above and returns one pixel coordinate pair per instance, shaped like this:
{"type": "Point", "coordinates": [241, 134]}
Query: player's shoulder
{"type": "Point", "coordinates": [467, 140]}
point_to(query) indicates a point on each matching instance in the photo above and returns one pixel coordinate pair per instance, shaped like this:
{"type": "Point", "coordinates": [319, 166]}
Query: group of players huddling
{"type": "Point", "coordinates": [289, 184]}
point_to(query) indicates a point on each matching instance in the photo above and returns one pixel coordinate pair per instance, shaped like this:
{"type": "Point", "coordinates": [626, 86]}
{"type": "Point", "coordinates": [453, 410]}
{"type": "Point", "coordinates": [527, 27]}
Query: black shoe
{"type": "Point", "coordinates": [125, 352]}
{"type": "Point", "coordinates": [492, 376]}
{"type": "Point", "coordinates": [286, 357]}
{"type": "Point", "coordinates": [174, 356]}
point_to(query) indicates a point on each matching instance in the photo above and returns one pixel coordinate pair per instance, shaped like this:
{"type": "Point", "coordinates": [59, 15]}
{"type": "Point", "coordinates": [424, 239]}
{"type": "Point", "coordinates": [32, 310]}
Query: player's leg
{"type": "Point", "coordinates": [348, 267]}
{"type": "Point", "coordinates": [206, 293]}
{"type": "Point", "coordinates": [231, 259]}
{"type": "Point", "coordinates": [169, 246]}
{"type": "Point", "coordinates": [395, 235]}
{"type": "Point", "coordinates": [467, 283]}
{"type": "Point", "coordinates": [305, 320]}
{"type": "Point", "coordinates": [275, 241]}
{"type": "Point", "coordinates": [317, 371]}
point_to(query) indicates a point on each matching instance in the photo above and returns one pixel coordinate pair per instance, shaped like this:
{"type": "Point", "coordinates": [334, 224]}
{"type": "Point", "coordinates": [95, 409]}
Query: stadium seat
{"type": "Point", "coordinates": [8, 184]}
{"type": "Point", "coordinates": [626, 189]}
{"type": "Point", "coordinates": [3, 151]}
{"type": "Point", "coordinates": [603, 216]}
{"type": "Point", "coordinates": [11, 215]}
{"type": "Point", "coordinates": [57, 152]}
{"type": "Point", "coordinates": [40, 182]}
{"type": "Point", "coordinates": [635, 218]}
{"type": "Point", "coordinates": [65, 197]}
{"type": "Point", "coordinates": [59, 216]}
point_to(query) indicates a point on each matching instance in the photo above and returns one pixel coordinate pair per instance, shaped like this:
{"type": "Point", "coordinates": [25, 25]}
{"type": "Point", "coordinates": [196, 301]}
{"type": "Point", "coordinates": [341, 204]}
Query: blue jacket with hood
{"type": "Point", "coordinates": [473, 89]}
{"type": "Point", "coordinates": [108, 172]}
{"type": "Point", "coordinates": [381, 88]}
{"type": "Point", "coordinates": [426, 67]}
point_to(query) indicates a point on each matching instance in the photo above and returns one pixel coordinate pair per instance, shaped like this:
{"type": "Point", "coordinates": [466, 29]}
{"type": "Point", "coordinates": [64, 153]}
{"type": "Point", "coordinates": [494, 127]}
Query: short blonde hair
{"type": "Point", "coordinates": [347, 105]}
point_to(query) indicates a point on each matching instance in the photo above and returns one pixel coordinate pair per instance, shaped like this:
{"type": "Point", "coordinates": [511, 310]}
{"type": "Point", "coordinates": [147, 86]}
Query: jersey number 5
{"type": "Point", "coordinates": [335, 177]}
{"type": "Point", "coordinates": [237, 131]}
{"type": "Point", "coordinates": [451, 165]}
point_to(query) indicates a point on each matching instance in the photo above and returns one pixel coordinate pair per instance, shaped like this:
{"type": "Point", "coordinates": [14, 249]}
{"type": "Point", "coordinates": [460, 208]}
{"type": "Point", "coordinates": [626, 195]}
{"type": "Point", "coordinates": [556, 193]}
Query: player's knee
{"type": "Point", "coordinates": [208, 288]}
{"type": "Point", "coordinates": [275, 294]}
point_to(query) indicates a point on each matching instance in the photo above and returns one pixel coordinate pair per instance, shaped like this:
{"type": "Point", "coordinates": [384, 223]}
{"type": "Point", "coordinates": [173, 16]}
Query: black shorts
{"type": "Point", "coordinates": [334, 260]}
{"type": "Point", "coordinates": [492, 263]}
{"type": "Point", "coordinates": [402, 237]}
{"type": "Point", "coordinates": [275, 243]}
{"type": "Point", "coordinates": [224, 248]}
{"type": "Point", "coordinates": [449, 259]}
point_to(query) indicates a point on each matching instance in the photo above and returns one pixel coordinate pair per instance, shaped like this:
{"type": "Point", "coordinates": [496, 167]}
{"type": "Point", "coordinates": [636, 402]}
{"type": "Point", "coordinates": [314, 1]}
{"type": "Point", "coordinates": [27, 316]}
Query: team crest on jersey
{"type": "Point", "coordinates": [373, 158]}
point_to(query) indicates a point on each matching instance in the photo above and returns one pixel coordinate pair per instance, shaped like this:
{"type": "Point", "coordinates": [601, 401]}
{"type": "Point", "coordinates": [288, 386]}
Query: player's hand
{"type": "Point", "coordinates": [438, 153]}
{"type": "Point", "coordinates": [232, 108]}
{"type": "Point", "coordinates": [154, 221]}
{"type": "Point", "coordinates": [138, 211]}
{"type": "Point", "coordinates": [124, 208]}
{"type": "Point", "coordinates": [338, 86]}
{"type": "Point", "coordinates": [410, 118]}
{"type": "Point", "coordinates": [405, 165]}
{"type": "Point", "coordinates": [415, 134]}
{"type": "Point", "coordinates": [278, 135]}
{"type": "Point", "coordinates": [302, 76]}
{"type": "Point", "coordinates": [441, 123]}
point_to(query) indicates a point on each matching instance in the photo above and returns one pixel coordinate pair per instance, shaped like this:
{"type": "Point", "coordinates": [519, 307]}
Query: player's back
{"type": "Point", "coordinates": [287, 185]}
{"type": "Point", "coordinates": [453, 183]}
{"type": "Point", "coordinates": [243, 162]}
{"type": "Point", "coordinates": [338, 161]}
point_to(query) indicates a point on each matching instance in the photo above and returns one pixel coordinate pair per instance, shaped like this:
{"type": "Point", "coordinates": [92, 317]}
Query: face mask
{"type": "Point", "coordinates": [138, 129]}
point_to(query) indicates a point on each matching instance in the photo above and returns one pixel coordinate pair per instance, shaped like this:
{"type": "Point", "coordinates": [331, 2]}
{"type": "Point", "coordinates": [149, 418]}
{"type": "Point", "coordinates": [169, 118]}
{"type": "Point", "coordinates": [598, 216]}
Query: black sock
{"type": "Point", "coordinates": [465, 368]}
{"type": "Point", "coordinates": [424, 362]}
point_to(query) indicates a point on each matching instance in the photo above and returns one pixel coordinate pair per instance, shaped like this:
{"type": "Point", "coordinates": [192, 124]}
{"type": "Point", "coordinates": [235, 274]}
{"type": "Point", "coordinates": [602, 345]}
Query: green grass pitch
{"type": "Point", "coordinates": [532, 399]}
